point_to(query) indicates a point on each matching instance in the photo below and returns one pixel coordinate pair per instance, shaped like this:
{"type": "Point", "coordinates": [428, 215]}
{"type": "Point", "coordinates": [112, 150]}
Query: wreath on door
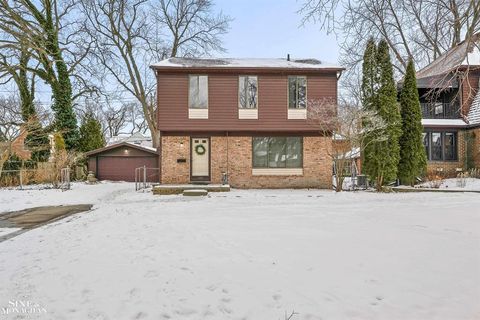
{"type": "Point", "coordinates": [200, 149]}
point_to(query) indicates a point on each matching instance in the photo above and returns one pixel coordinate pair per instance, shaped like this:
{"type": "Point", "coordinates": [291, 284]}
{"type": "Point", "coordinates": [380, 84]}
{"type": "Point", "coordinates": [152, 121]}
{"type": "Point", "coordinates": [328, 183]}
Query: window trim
{"type": "Point", "coordinates": [278, 168]}
{"type": "Point", "coordinates": [246, 91]}
{"type": "Point", "coordinates": [442, 138]}
{"type": "Point", "coordinates": [208, 88]}
{"type": "Point", "coordinates": [296, 90]}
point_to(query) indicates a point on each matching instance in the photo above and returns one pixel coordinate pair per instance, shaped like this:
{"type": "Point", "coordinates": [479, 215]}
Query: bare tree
{"type": "Point", "coordinates": [130, 35]}
{"type": "Point", "coordinates": [135, 118]}
{"type": "Point", "coordinates": [121, 33]}
{"type": "Point", "coordinates": [10, 126]}
{"type": "Point", "coordinates": [115, 120]}
{"type": "Point", "coordinates": [350, 127]}
{"type": "Point", "coordinates": [417, 29]}
{"type": "Point", "coordinates": [193, 27]}
{"type": "Point", "coordinates": [10, 118]}
{"type": "Point", "coordinates": [47, 31]}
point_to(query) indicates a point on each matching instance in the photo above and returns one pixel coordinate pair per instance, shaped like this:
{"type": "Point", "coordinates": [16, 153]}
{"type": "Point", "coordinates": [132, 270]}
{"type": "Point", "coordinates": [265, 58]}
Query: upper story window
{"type": "Point", "coordinates": [297, 92]}
{"type": "Point", "coordinates": [198, 92]}
{"type": "Point", "coordinates": [248, 92]}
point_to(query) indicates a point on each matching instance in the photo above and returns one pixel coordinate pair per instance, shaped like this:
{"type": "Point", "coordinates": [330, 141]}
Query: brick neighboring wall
{"type": "Point", "coordinates": [476, 146]}
{"type": "Point", "coordinates": [469, 89]}
{"type": "Point", "coordinates": [18, 146]}
{"type": "Point", "coordinates": [317, 166]}
{"type": "Point", "coordinates": [450, 167]}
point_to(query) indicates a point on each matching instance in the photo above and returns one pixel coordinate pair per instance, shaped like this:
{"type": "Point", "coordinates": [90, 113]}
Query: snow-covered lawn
{"type": "Point", "coordinates": [459, 184]}
{"type": "Point", "coordinates": [247, 254]}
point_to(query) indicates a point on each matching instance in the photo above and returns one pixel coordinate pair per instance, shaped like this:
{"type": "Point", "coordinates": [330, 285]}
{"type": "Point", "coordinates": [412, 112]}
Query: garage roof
{"type": "Point", "coordinates": [122, 144]}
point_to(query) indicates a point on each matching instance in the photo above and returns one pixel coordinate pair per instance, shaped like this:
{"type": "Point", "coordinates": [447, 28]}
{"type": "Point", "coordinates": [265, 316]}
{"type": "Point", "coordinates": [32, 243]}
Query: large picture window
{"type": "Point", "coordinates": [277, 152]}
{"type": "Point", "coordinates": [440, 146]}
{"type": "Point", "coordinates": [297, 92]}
{"type": "Point", "coordinates": [248, 92]}
{"type": "Point", "coordinates": [198, 92]}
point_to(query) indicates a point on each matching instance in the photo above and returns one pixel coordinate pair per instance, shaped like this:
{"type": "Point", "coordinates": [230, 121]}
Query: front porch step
{"type": "Point", "coordinates": [164, 189]}
{"type": "Point", "coordinates": [195, 192]}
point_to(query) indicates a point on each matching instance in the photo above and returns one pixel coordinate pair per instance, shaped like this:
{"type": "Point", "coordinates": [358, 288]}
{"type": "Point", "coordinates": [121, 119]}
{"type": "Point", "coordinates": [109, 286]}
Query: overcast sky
{"type": "Point", "coordinates": [271, 29]}
{"type": "Point", "coordinates": [260, 29]}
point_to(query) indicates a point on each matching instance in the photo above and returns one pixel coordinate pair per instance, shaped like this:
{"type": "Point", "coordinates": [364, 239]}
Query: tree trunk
{"type": "Point", "coordinates": [379, 183]}
{"type": "Point", "coordinates": [26, 91]}
{"type": "Point", "coordinates": [65, 120]}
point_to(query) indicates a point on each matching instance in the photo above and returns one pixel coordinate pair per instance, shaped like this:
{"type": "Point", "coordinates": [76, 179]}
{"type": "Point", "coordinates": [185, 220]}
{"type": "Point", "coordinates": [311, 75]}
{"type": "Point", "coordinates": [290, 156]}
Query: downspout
{"type": "Point", "coordinates": [159, 148]}
{"type": "Point", "coordinates": [227, 158]}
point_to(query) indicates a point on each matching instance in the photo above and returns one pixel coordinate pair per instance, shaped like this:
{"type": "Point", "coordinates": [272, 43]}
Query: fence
{"type": "Point", "coordinates": [145, 177]}
{"type": "Point", "coordinates": [41, 175]}
{"type": "Point", "coordinates": [65, 179]}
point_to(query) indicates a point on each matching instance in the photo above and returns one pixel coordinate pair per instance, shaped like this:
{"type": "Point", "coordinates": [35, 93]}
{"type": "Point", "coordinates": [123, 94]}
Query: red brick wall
{"type": "Point", "coordinates": [469, 88]}
{"type": "Point", "coordinates": [317, 166]}
{"type": "Point", "coordinates": [476, 146]}
{"type": "Point", "coordinates": [174, 148]}
{"type": "Point", "coordinates": [18, 146]}
{"type": "Point", "coordinates": [450, 167]}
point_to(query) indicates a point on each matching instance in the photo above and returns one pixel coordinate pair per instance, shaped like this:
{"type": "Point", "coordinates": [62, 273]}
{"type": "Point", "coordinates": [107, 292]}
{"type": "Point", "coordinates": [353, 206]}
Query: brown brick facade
{"type": "Point", "coordinates": [449, 168]}
{"type": "Point", "coordinates": [469, 89]}
{"type": "Point", "coordinates": [475, 145]}
{"type": "Point", "coordinates": [175, 148]}
{"type": "Point", "coordinates": [235, 154]}
{"type": "Point", "coordinates": [18, 146]}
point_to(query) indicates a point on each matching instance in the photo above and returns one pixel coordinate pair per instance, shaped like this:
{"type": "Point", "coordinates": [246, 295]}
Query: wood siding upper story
{"type": "Point", "coordinates": [223, 102]}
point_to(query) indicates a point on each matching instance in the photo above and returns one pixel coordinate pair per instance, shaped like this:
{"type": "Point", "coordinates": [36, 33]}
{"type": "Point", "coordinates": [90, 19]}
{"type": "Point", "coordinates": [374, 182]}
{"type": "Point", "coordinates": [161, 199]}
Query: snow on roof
{"type": "Point", "coordinates": [352, 154]}
{"type": "Point", "coordinates": [148, 147]}
{"type": "Point", "coordinates": [244, 63]}
{"type": "Point", "coordinates": [136, 138]}
{"type": "Point", "coordinates": [444, 122]}
{"type": "Point", "coordinates": [473, 116]}
{"type": "Point", "coordinates": [466, 53]}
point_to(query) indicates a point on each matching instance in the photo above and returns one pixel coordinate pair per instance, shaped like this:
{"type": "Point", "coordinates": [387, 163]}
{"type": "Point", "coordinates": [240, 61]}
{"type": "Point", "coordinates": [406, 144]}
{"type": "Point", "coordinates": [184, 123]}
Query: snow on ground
{"type": "Point", "coordinates": [247, 254]}
{"type": "Point", "coordinates": [457, 184]}
{"type": "Point", "coordinates": [5, 231]}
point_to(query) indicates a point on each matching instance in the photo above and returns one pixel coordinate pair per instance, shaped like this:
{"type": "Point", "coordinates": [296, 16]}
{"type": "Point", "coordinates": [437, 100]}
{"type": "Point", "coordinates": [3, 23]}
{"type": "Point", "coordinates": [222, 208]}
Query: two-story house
{"type": "Point", "coordinates": [243, 120]}
{"type": "Point", "coordinates": [450, 103]}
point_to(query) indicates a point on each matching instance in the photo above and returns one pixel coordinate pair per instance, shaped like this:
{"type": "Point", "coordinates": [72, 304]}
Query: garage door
{"type": "Point", "coordinates": [123, 168]}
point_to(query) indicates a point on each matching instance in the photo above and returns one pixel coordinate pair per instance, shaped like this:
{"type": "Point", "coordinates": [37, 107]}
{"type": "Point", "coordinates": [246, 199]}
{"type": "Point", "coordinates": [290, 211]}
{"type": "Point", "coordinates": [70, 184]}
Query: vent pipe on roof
{"type": "Point", "coordinates": [288, 56]}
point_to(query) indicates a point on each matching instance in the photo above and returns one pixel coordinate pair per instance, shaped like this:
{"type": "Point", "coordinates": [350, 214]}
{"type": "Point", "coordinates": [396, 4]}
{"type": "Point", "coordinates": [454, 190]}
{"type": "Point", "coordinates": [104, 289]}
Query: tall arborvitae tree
{"type": "Point", "coordinates": [389, 110]}
{"type": "Point", "coordinates": [370, 103]}
{"type": "Point", "coordinates": [380, 95]}
{"type": "Point", "coordinates": [370, 76]}
{"type": "Point", "coordinates": [91, 136]}
{"type": "Point", "coordinates": [413, 160]}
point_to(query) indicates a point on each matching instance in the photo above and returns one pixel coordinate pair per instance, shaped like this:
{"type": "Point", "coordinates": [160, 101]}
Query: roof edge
{"type": "Point", "coordinates": [120, 144]}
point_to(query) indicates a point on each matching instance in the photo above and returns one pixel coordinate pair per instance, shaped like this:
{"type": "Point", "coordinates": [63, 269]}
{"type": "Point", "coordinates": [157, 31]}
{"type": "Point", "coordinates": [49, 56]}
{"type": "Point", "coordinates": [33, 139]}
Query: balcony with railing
{"type": "Point", "coordinates": [440, 110]}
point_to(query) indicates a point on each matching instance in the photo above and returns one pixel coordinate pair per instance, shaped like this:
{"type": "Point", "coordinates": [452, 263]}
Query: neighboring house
{"type": "Point", "coordinates": [136, 138]}
{"type": "Point", "coordinates": [18, 145]}
{"type": "Point", "coordinates": [244, 119]}
{"type": "Point", "coordinates": [450, 103]}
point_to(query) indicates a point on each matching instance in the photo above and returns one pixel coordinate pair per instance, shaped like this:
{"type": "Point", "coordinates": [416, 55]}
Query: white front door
{"type": "Point", "coordinates": [200, 152]}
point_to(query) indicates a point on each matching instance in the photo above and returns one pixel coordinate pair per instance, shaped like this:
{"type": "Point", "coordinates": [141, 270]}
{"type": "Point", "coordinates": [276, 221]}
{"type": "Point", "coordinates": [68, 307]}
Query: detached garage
{"type": "Point", "coordinates": [117, 162]}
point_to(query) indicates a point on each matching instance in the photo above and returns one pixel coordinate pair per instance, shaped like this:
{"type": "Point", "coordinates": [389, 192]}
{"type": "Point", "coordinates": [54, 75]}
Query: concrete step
{"type": "Point", "coordinates": [179, 188]}
{"type": "Point", "coordinates": [195, 192]}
